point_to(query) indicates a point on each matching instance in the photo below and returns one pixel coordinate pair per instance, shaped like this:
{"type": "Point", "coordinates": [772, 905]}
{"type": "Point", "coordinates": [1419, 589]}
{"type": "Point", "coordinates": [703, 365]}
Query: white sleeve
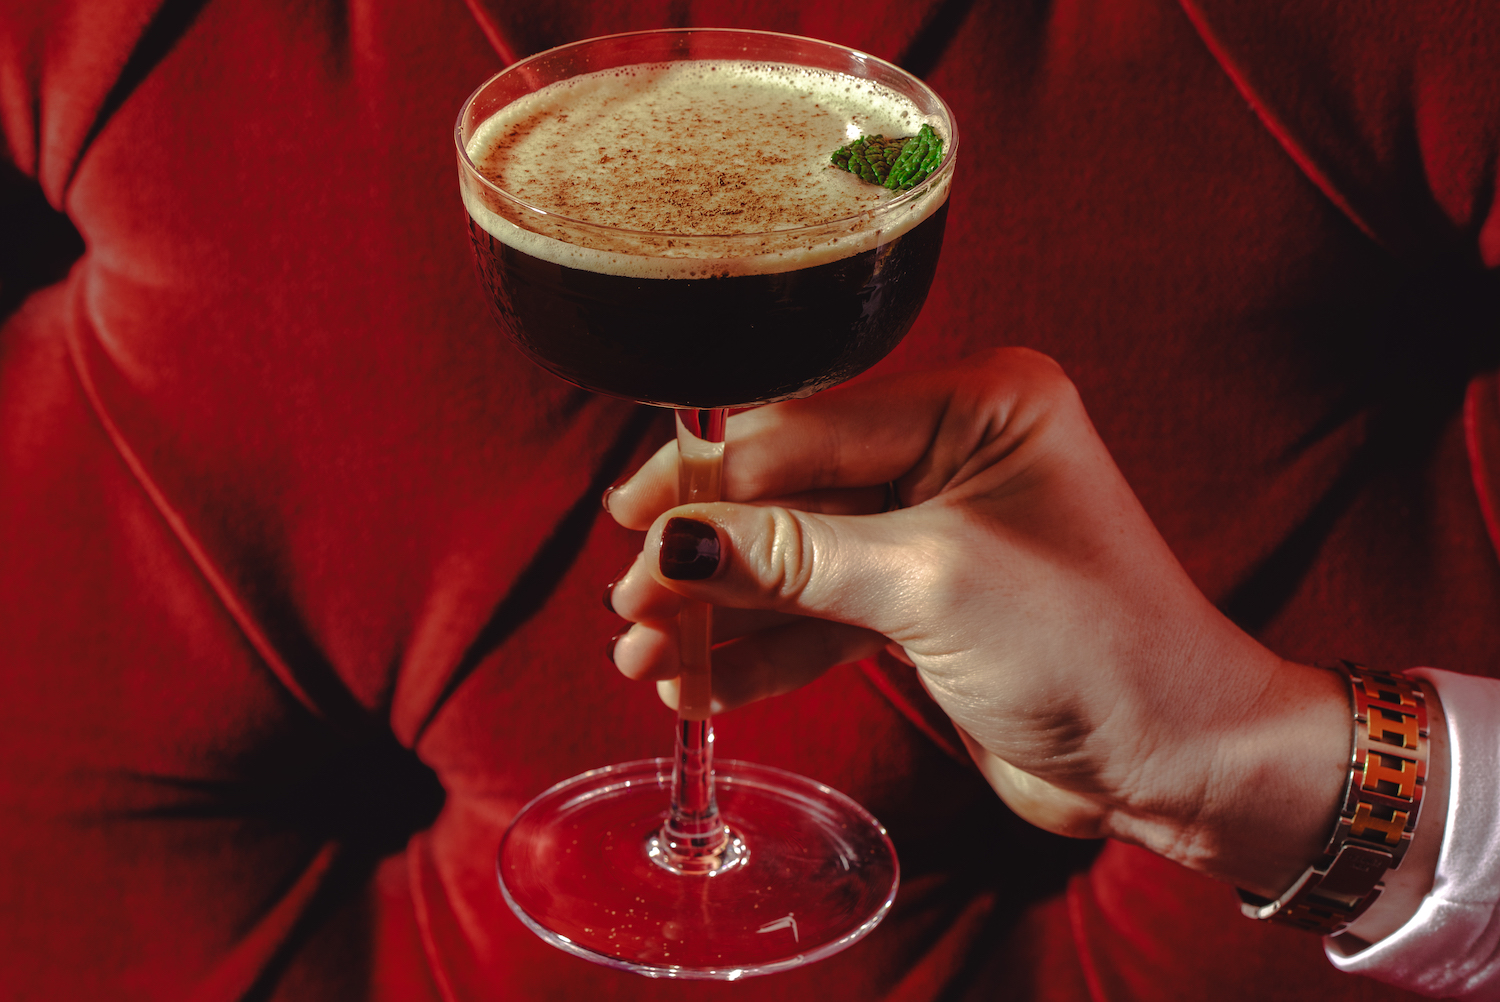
{"type": "Point", "coordinates": [1451, 946]}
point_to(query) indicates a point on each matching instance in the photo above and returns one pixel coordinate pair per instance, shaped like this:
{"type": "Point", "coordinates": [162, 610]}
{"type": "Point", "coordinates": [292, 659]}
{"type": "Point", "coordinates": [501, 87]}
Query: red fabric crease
{"type": "Point", "coordinates": [174, 520]}
{"type": "Point", "coordinates": [1482, 436]}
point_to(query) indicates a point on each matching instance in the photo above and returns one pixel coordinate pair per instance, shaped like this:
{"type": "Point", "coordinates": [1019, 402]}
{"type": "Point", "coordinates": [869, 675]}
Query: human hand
{"type": "Point", "coordinates": [1098, 690]}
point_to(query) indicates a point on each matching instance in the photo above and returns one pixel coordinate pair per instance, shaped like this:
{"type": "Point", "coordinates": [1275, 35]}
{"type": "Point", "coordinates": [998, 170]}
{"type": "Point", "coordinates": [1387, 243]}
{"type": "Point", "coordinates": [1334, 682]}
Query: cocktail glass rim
{"type": "Point", "coordinates": [938, 177]}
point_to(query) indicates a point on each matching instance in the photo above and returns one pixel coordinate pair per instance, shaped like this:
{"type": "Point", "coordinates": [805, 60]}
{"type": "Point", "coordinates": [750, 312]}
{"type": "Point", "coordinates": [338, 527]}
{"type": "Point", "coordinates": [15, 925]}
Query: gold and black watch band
{"type": "Point", "coordinates": [1378, 813]}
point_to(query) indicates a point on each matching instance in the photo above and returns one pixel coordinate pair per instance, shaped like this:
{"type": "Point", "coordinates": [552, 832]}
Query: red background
{"type": "Point", "coordinates": [291, 543]}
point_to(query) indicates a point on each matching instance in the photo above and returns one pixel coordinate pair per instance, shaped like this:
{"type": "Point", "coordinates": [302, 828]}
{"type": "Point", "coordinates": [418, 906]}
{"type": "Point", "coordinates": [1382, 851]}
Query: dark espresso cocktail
{"type": "Point", "coordinates": [655, 216]}
{"type": "Point", "coordinates": [696, 248]}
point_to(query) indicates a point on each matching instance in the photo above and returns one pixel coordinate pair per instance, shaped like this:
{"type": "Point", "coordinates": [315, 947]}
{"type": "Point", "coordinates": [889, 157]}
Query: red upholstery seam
{"type": "Point", "coordinates": [1080, 942]}
{"type": "Point", "coordinates": [424, 922]}
{"type": "Point", "coordinates": [491, 32]}
{"type": "Point", "coordinates": [1477, 466]}
{"type": "Point", "coordinates": [1274, 125]}
{"type": "Point", "coordinates": [172, 20]}
{"type": "Point", "coordinates": [178, 528]}
{"type": "Point", "coordinates": [236, 974]}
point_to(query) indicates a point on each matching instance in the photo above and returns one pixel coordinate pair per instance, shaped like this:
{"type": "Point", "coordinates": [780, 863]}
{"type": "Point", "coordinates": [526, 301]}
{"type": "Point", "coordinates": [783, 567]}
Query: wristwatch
{"type": "Point", "coordinates": [1379, 811]}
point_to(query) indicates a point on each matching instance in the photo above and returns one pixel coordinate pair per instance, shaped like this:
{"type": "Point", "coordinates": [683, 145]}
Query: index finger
{"type": "Point", "coordinates": [844, 438]}
{"type": "Point", "coordinates": [916, 429]}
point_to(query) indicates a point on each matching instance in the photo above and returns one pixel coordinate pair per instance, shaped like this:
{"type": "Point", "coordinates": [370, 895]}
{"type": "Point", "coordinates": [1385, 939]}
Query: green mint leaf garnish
{"type": "Point", "coordinates": [869, 157]}
{"type": "Point", "coordinates": [897, 164]}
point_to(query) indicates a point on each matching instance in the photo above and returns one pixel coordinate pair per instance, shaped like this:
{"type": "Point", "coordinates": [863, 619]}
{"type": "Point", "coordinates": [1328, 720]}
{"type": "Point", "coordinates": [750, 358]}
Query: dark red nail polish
{"type": "Point", "coordinates": [609, 650]}
{"type": "Point", "coordinates": [609, 589]}
{"type": "Point", "coordinates": [689, 550]}
{"type": "Point", "coordinates": [604, 500]}
{"type": "Point", "coordinates": [892, 498]}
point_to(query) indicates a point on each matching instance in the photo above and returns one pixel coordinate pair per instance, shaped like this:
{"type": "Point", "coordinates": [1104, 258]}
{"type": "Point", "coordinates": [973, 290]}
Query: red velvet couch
{"type": "Point", "coordinates": [300, 565]}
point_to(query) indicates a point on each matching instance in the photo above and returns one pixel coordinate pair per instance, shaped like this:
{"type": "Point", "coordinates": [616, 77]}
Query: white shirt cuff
{"type": "Point", "coordinates": [1451, 946]}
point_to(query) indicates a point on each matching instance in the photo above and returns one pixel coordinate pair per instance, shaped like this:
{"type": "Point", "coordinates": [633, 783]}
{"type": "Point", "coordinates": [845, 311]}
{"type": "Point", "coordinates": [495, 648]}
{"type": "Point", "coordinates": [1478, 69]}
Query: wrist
{"type": "Point", "coordinates": [1268, 767]}
{"type": "Point", "coordinates": [1293, 769]}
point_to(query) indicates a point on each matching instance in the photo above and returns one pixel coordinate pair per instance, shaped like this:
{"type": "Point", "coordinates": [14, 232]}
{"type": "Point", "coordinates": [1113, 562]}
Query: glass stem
{"type": "Point", "coordinates": [694, 836]}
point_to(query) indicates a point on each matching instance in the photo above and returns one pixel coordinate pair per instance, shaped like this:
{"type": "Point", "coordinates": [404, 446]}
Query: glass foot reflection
{"type": "Point", "coordinates": [805, 872]}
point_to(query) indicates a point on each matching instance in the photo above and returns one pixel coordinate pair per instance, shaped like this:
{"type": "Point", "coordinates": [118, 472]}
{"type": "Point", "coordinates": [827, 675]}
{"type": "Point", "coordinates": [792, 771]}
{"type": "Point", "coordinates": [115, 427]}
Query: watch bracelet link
{"type": "Point", "coordinates": [1378, 811]}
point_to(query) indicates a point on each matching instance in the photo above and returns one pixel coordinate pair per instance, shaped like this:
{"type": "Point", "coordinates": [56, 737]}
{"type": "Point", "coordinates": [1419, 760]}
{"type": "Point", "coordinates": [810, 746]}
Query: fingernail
{"type": "Point", "coordinates": [689, 550]}
{"type": "Point", "coordinates": [604, 500]}
{"type": "Point", "coordinates": [609, 650]}
{"type": "Point", "coordinates": [609, 589]}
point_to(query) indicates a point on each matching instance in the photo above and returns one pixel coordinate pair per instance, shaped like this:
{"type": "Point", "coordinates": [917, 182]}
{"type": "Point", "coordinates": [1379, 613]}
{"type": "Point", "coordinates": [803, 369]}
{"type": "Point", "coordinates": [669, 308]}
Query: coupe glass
{"type": "Point", "coordinates": [676, 867]}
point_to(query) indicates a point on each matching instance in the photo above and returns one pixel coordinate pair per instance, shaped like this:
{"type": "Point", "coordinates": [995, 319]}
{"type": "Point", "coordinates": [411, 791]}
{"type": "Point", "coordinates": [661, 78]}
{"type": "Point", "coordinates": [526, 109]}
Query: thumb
{"type": "Point", "coordinates": [854, 569]}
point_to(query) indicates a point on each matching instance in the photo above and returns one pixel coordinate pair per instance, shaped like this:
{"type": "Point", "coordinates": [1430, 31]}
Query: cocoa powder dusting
{"type": "Point", "coordinates": [692, 148]}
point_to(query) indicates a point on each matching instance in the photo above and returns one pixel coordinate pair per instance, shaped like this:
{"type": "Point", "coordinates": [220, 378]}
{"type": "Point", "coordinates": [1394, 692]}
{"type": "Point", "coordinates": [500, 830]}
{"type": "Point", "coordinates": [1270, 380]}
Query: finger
{"type": "Point", "coordinates": [860, 436]}
{"type": "Point", "coordinates": [776, 661]}
{"type": "Point", "coordinates": [873, 571]}
{"type": "Point", "coordinates": [765, 663]}
{"type": "Point", "coordinates": [845, 501]}
{"type": "Point", "coordinates": [650, 491]}
{"type": "Point", "coordinates": [649, 650]}
{"type": "Point", "coordinates": [638, 597]}
{"type": "Point", "coordinates": [917, 429]}
{"type": "Point", "coordinates": [924, 431]}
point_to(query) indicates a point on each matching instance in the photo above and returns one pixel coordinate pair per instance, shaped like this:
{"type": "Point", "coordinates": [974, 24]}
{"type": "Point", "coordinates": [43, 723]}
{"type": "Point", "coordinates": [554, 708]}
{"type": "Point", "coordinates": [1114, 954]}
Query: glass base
{"type": "Point", "coordinates": [815, 875]}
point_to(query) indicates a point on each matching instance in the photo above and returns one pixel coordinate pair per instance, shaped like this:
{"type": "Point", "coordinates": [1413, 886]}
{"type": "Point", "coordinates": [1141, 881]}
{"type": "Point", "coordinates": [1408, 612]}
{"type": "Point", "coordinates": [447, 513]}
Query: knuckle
{"type": "Point", "coordinates": [783, 563]}
{"type": "Point", "coordinates": [1040, 372]}
{"type": "Point", "coordinates": [794, 556]}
